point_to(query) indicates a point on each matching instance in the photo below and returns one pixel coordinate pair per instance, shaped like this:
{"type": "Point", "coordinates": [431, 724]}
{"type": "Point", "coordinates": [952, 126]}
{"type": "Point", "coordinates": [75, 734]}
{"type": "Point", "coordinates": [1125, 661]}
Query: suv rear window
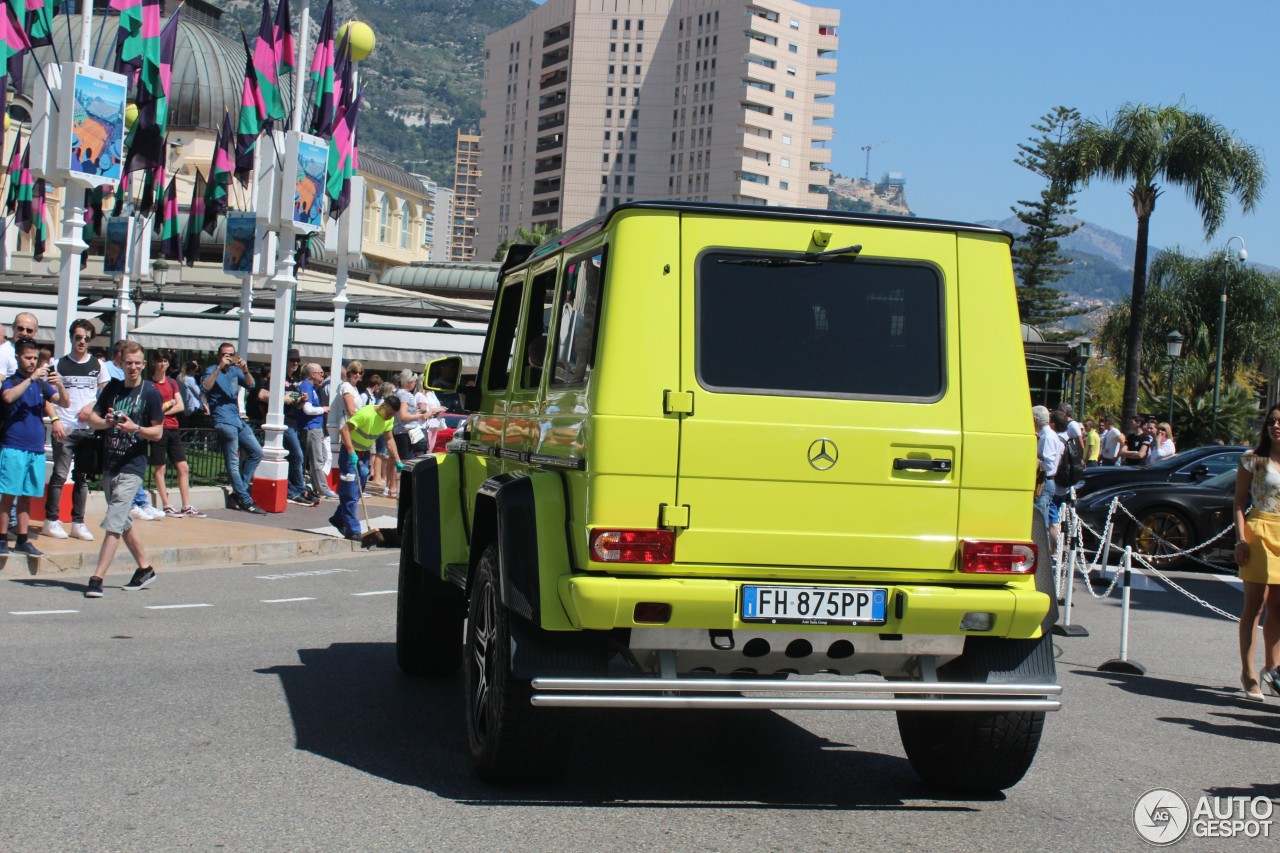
{"type": "Point", "coordinates": [840, 327]}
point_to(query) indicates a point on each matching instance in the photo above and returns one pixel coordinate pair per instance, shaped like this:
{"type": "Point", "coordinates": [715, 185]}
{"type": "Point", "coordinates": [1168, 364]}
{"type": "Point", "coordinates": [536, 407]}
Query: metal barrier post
{"type": "Point", "coordinates": [1122, 664]}
{"type": "Point", "coordinates": [1065, 628]}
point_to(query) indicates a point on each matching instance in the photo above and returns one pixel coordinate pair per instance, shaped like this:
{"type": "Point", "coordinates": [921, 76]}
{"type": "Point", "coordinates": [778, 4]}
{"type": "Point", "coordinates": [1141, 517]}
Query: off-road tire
{"type": "Point", "coordinates": [429, 615]}
{"type": "Point", "coordinates": [510, 740]}
{"type": "Point", "coordinates": [970, 751]}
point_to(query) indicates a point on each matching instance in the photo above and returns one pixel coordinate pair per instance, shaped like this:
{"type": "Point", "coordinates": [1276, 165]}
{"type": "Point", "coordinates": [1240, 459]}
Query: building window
{"type": "Point", "coordinates": [787, 116]}
{"type": "Point", "coordinates": [783, 185]}
{"type": "Point", "coordinates": [790, 93]}
{"type": "Point", "coordinates": [382, 222]}
{"type": "Point", "coordinates": [404, 224]}
{"type": "Point", "coordinates": [791, 48]}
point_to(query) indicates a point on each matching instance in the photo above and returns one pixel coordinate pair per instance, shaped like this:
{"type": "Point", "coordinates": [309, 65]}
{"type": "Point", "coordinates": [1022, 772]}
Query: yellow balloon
{"type": "Point", "coordinates": [130, 115]}
{"type": "Point", "coordinates": [362, 39]}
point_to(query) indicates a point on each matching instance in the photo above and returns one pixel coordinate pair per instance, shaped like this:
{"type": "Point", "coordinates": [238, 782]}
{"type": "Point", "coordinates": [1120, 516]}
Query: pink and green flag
{"type": "Point", "coordinates": [166, 223]}
{"type": "Point", "coordinates": [344, 158]}
{"type": "Point", "coordinates": [13, 43]}
{"type": "Point", "coordinates": [14, 175]}
{"type": "Point", "coordinates": [323, 104]}
{"type": "Point", "coordinates": [40, 232]}
{"type": "Point", "coordinates": [219, 186]}
{"type": "Point", "coordinates": [249, 124]}
{"type": "Point", "coordinates": [25, 187]}
{"type": "Point", "coordinates": [283, 37]}
{"type": "Point", "coordinates": [146, 140]}
{"type": "Point", "coordinates": [138, 39]}
{"type": "Point", "coordinates": [264, 66]}
{"type": "Point", "coordinates": [195, 221]}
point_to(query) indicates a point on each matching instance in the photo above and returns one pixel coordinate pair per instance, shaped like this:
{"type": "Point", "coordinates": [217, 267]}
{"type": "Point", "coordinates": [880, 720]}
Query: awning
{"type": "Point", "coordinates": [13, 303]}
{"type": "Point", "coordinates": [408, 343]}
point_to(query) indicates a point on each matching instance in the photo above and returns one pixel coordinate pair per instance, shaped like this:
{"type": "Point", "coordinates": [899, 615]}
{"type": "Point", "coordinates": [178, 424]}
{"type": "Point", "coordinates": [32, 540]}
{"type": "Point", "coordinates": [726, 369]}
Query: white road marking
{"type": "Point", "coordinates": [286, 600]}
{"type": "Point", "coordinates": [39, 612]}
{"type": "Point", "coordinates": [1231, 580]}
{"type": "Point", "coordinates": [377, 592]}
{"type": "Point", "coordinates": [304, 574]}
{"type": "Point", "coordinates": [174, 606]}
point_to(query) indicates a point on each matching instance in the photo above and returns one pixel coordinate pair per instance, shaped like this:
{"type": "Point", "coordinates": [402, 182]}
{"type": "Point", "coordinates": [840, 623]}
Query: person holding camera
{"type": "Point", "coordinates": [83, 375]}
{"type": "Point", "coordinates": [25, 394]}
{"type": "Point", "coordinates": [131, 412]}
{"type": "Point", "coordinates": [222, 383]}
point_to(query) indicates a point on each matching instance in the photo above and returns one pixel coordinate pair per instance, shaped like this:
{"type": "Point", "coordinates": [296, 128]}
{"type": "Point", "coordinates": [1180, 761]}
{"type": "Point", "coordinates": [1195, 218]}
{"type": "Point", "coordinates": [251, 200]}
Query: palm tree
{"type": "Point", "coordinates": [1145, 146]}
{"type": "Point", "coordinates": [535, 236]}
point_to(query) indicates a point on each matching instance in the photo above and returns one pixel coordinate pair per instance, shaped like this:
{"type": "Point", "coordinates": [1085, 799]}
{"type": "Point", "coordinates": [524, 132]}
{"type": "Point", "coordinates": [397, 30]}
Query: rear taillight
{"type": "Point", "coordinates": [633, 546]}
{"type": "Point", "coordinates": [998, 558]}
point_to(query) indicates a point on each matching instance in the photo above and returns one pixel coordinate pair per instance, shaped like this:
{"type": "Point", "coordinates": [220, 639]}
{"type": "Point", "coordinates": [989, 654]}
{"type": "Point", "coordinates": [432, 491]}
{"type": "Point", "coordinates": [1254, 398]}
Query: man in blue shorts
{"type": "Point", "coordinates": [222, 384]}
{"type": "Point", "coordinates": [24, 395]}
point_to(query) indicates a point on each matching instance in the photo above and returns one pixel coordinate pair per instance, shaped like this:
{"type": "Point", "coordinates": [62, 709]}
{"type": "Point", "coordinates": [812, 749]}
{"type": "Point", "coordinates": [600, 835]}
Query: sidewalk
{"type": "Point", "coordinates": [227, 536]}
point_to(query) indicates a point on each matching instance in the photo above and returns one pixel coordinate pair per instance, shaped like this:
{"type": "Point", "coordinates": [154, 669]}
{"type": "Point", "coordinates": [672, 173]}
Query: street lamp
{"type": "Point", "coordinates": [1173, 346]}
{"type": "Point", "coordinates": [1222, 321]}
{"type": "Point", "coordinates": [160, 277]}
{"type": "Point", "coordinates": [1085, 348]}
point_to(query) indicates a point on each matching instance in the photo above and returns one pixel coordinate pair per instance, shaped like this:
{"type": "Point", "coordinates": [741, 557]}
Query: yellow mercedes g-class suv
{"type": "Point", "coordinates": [722, 456]}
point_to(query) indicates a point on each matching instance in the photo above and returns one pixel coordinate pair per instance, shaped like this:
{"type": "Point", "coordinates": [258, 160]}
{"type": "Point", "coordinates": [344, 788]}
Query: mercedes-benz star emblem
{"type": "Point", "coordinates": [823, 454]}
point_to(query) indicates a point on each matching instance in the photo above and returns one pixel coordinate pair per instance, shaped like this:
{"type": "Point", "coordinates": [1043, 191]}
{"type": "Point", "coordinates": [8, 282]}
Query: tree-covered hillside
{"type": "Point", "coordinates": [429, 60]}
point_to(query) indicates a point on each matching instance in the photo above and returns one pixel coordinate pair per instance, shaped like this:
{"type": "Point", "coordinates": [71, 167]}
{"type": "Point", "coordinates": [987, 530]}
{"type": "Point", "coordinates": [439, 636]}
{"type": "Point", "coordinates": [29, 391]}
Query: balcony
{"type": "Point", "coordinates": [546, 208]}
{"type": "Point", "coordinates": [548, 164]}
{"type": "Point", "coordinates": [550, 143]}
{"type": "Point", "coordinates": [555, 57]}
{"type": "Point", "coordinates": [554, 78]}
{"type": "Point", "coordinates": [824, 65]}
{"type": "Point", "coordinates": [555, 99]}
{"type": "Point", "coordinates": [551, 121]}
{"type": "Point", "coordinates": [824, 110]}
{"type": "Point", "coordinates": [556, 35]}
{"type": "Point", "coordinates": [549, 185]}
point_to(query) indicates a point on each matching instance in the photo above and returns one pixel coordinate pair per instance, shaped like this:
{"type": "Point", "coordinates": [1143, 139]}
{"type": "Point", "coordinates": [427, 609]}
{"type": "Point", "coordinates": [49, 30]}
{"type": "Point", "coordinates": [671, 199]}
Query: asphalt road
{"type": "Point", "coordinates": [260, 708]}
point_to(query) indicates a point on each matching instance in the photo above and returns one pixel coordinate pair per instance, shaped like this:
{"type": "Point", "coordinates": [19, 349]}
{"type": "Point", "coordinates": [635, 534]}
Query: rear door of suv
{"type": "Point", "coordinates": [822, 403]}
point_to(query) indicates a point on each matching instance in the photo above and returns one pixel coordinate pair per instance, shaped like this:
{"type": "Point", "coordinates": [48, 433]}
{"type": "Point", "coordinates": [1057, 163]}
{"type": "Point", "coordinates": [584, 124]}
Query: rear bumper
{"type": "Point", "coordinates": [793, 694]}
{"type": "Point", "coordinates": [603, 603]}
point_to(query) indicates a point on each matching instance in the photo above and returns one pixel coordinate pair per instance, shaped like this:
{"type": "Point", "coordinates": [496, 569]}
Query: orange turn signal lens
{"type": "Point", "coordinates": [652, 612]}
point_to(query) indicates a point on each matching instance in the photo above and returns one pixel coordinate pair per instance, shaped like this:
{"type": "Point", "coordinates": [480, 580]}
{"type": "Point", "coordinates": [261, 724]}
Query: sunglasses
{"type": "Point", "coordinates": [1272, 422]}
{"type": "Point", "coordinates": [81, 337]}
{"type": "Point", "coordinates": [30, 330]}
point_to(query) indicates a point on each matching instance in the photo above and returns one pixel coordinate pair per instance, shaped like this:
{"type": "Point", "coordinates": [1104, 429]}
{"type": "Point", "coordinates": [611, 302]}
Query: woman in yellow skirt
{"type": "Point", "coordinates": [1258, 556]}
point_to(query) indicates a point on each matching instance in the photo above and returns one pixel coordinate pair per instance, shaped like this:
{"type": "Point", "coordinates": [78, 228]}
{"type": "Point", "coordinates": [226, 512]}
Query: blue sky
{"type": "Point", "coordinates": [954, 87]}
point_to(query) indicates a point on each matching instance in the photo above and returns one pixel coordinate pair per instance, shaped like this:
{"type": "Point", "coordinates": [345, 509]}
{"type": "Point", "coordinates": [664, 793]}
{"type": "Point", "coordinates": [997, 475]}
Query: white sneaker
{"type": "Point", "coordinates": [79, 531]}
{"type": "Point", "coordinates": [54, 529]}
{"type": "Point", "coordinates": [155, 512]}
{"type": "Point", "coordinates": [139, 513]}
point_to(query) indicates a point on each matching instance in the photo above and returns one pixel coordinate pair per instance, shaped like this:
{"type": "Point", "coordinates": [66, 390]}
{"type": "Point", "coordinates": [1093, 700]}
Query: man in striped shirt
{"type": "Point", "coordinates": [358, 435]}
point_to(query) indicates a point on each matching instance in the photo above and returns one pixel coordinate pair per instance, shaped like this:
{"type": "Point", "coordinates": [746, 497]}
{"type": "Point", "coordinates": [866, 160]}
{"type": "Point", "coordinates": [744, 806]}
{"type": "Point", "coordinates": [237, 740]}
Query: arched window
{"type": "Point", "coordinates": [383, 237]}
{"type": "Point", "coordinates": [405, 218]}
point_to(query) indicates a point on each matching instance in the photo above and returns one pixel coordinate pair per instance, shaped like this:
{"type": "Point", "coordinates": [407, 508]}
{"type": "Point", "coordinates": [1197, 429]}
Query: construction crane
{"type": "Point", "coordinates": [866, 176]}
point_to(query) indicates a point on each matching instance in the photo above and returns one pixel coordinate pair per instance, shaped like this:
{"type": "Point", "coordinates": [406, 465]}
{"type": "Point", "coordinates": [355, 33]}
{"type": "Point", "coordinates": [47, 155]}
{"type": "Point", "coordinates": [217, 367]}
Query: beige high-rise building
{"type": "Point", "coordinates": [590, 103]}
{"type": "Point", "coordinates": [467, 172]}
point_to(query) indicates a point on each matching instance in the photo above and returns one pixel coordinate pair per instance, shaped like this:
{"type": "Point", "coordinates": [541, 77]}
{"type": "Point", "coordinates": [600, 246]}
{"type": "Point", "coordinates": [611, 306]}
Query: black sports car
{"type": "Point", "coordinates": [1189, 466]}
{"type": "Point", "coordinates": [1170, 517]}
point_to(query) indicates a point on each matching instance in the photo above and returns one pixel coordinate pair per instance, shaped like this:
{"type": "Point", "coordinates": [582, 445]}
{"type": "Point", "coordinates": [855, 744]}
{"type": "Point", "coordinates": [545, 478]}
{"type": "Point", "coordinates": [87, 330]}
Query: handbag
{"type": "Point", "coordinates": [415, 434]}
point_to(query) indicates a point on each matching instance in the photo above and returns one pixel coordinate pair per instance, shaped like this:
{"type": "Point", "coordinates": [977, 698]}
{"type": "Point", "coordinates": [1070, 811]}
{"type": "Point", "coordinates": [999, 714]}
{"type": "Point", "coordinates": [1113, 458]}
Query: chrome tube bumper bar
{"type": "Point", "coordinates": [787, 695]}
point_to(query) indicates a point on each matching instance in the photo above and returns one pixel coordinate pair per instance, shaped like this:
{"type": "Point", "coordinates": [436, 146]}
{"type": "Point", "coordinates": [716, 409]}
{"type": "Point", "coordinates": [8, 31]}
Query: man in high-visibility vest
{"type": "Point", "coordinates": [358, 435]}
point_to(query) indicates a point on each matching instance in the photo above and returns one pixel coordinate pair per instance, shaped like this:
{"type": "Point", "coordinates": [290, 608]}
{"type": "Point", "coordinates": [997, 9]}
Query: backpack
{"type": "Point", "coordinates": [1070, 466]}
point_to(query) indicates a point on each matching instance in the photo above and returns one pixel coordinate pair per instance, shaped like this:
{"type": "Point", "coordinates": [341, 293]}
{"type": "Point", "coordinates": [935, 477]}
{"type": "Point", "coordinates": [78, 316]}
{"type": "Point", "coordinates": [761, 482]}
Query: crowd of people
{"type": "Point", "coordinates": [114, 417]}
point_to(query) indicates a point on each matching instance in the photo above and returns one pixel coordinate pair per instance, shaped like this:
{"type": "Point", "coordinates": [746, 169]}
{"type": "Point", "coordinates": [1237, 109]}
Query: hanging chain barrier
{"type": "Point", "coordinates": [1079, 554]}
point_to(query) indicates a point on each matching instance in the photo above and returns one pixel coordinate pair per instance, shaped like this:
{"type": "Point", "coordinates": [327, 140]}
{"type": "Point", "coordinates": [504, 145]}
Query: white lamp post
{"type": "Point", "coordinates": [1173, 346]}
{"type": "Point", "coordinates": [1222, 321]}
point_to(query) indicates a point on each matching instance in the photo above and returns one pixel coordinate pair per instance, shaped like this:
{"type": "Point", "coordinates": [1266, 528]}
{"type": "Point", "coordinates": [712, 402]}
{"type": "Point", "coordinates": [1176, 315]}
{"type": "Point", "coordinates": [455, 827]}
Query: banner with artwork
{"type": "Point", "coordinates": [92, 147]}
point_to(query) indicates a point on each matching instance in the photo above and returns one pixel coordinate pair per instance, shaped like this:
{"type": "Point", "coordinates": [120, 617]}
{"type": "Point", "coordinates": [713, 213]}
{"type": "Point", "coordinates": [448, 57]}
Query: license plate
{"type": "Point", "coordinates": [813, 605]}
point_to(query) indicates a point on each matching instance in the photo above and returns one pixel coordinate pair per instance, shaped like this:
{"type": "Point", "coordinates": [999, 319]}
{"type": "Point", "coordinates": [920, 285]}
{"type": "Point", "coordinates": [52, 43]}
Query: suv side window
{"type": "Point", "coordinates": [503, 338]}
{"type": "Point", "coordinates": [537, 325]}
{"type": "Point", "coordinates": [576, 315]}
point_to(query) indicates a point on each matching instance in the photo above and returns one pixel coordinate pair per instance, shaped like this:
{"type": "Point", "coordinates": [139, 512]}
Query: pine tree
{"type": "Point", "coordinates": [1037, 259]}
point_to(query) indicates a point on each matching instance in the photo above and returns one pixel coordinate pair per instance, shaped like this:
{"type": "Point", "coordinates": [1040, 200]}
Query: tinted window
{"type": "Point", "coordinates": [1217, 463]}
{"type": "Point", "coordinates": [502, 340]}
{"type": "Point", "coordinates": [841, 327]}
{"type": "Point", "coordinates": [536, 327]}
{"type": "Point", "coordinates": [576, 313]}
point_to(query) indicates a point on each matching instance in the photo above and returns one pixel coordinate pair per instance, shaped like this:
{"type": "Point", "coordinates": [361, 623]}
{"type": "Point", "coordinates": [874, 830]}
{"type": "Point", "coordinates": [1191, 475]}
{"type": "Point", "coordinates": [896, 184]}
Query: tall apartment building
{"type": "Point", "coordinates": [590, 103]}
{"type": "Point", "coordinates": [467, 173]}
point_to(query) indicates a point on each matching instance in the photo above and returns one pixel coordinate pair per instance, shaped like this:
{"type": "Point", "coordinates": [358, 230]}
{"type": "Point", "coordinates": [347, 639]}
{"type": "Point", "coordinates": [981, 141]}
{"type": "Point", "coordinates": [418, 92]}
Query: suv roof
{"type": "Point", "coordinates": [750, 210]}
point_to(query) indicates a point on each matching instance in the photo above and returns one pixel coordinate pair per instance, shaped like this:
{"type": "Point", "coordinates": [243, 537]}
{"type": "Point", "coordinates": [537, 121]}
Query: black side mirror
{"type": "Point", "coordinates": [442, 374]}
{"type": "Point", "coordinates": [1199, 472]}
